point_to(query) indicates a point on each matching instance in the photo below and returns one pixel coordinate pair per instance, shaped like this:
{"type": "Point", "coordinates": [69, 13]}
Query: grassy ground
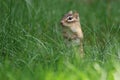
{"type": "Point", "coordinates": [32, 48]}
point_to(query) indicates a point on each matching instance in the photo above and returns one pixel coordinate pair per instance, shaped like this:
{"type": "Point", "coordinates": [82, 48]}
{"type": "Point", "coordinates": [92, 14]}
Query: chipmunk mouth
{"type": "Point", "coordinates": [62, 23]}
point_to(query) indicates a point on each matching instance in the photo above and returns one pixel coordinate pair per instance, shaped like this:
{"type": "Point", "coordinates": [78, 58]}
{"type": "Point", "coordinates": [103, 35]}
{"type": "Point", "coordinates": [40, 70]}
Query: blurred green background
{"type": "Point", "coordinates": [32, 47]}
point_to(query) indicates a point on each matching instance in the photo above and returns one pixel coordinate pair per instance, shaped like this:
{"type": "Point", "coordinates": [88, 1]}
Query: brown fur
{"type": "Point", "coordinates": [72, 31]}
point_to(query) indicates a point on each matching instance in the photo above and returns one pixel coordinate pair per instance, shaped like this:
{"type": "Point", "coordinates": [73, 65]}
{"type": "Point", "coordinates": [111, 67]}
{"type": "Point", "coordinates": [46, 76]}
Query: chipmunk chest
{"type": "Point", "coordinates": [73, 29]}
{"type": "Point", "coordinates": [70, 34]}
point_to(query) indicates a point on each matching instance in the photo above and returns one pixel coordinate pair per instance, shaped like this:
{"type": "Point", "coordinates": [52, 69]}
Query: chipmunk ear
{"type": "Point", "coordinates": [70, 12]}
{"type": "Point", "coordinates": [76, 14]}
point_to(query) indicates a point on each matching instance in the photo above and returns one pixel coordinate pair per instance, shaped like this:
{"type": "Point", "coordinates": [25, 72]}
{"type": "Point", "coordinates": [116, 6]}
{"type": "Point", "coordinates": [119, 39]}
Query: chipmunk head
{"type": "Point", "coordinates": [70, 19]}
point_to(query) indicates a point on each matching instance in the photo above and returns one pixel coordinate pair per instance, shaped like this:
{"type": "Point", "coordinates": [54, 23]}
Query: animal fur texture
{"type": "Point", "coordinates": [72, 32]}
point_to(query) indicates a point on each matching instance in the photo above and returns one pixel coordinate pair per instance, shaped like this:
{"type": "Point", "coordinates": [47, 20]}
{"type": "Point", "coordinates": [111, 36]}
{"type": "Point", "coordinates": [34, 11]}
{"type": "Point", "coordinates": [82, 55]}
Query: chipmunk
{"type": "Point", "coordinates": [72, 32]}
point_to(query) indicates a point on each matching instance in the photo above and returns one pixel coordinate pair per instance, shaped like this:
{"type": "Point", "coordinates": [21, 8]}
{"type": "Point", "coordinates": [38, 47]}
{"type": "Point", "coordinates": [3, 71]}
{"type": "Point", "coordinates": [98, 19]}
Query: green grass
{"type": "Point", "coordinates": [32, 47]}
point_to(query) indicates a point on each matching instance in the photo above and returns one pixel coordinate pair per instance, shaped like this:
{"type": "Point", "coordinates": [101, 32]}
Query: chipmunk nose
{"type": "Point", "coordinates": [61, 22]}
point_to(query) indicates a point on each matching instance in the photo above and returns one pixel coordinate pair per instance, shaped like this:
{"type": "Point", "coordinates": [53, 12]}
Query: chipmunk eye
{"type": "Point", "coordinates": [70, 18]}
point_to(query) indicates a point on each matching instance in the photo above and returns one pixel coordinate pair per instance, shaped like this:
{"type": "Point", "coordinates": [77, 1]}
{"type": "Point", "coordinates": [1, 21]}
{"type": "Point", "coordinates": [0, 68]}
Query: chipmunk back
{"type": "Point", "coordinates": [72, 31]}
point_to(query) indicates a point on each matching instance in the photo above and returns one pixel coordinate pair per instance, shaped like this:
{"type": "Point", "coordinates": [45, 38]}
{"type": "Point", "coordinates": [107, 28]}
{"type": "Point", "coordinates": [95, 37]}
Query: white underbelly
{"type": "Point", "coordinates": [75, 42]}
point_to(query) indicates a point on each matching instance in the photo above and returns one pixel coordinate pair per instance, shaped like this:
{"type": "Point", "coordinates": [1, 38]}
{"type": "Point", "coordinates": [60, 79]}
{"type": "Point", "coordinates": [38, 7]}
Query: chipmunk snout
{"type": "Point", "coordinates": [62, 23]}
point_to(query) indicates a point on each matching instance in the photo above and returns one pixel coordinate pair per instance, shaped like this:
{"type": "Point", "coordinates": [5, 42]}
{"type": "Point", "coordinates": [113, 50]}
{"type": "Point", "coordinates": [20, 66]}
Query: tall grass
{"type": "Point", "coordinates": [32, 47]}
